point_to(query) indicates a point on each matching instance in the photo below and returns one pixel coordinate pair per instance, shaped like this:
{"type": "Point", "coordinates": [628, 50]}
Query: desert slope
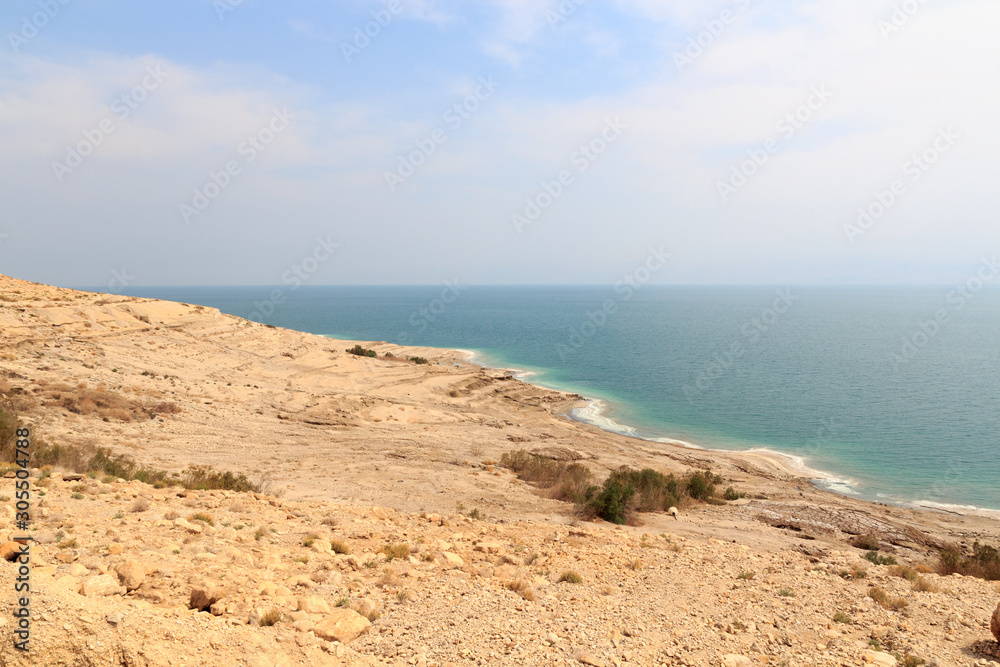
{"type": "Point", "coordinates": [380, 451]}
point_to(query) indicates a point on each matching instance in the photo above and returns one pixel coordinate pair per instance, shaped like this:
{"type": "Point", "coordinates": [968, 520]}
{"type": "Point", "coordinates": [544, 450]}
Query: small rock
{"type": "Point", "coordinates": [77, 570]}
{"type": "Point", "coordinates": [115, 549]}
{"type": "Point", "coordinates": [115, 619]}
{"type": "Point", "coordinates": [733, 660]}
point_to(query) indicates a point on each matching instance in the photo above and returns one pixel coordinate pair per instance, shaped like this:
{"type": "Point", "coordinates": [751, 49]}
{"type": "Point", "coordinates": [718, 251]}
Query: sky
{"type": "Point", "coordinates": [229, 142]}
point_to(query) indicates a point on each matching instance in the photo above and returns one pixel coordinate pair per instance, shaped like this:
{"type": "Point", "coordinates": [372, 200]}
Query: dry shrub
{"type": "Point", "coordinates": [885, 600]}
{"type": "Point", "coordinates": [984, 563]}
{"type": "Point", "coordinates": [522, 588]}
{"type": "Point", "coordinates": [570, 577]}
{"type": "Point", "coordinates": [140, 504]}
{"type": "Point", "coordinates": [100, 403]}
{"type": "Point", "coordinates": [393, 551]}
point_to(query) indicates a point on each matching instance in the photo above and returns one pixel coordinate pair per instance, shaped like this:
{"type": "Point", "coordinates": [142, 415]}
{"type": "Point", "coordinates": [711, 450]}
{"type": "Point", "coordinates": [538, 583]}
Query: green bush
{"type": "Point", "coordinates": [700, 486]}
{"type": "Point", "coordinates": [418, 360]}
{"type": "Point", "coordinates": [874, 558]}
{"type": "Point", "coordinates": [611, 502]}
{"type": "Point", "coordinates": [361, 351]}
{"type": "Point", "coordinates": [733, 494]}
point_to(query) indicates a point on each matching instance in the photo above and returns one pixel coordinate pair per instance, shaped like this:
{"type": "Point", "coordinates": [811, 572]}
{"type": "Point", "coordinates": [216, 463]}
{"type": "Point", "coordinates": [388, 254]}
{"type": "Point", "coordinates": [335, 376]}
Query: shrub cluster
{"type": "Point", "coordinates": [87, 459]}
{"type": "Point", "coordinates": [984, 562]}
{"type": "Point", "coordinates": [623, 493]}
{"type": "Point", "coordinates": [361, 351]}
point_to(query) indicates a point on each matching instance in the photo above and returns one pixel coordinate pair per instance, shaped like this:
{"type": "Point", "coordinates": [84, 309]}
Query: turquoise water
{"type": "Point", "coordinates": [895, 392]}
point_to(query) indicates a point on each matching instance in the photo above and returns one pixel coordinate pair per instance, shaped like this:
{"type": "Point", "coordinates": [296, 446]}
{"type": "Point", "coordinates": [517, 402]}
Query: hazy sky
{"type": "Point", "coordinates": [498, 141]}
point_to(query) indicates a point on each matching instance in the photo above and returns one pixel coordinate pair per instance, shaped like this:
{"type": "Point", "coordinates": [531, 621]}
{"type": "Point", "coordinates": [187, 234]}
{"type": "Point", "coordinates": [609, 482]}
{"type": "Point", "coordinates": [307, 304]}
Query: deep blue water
{"type": "Point", "coordinates": [820, 373]}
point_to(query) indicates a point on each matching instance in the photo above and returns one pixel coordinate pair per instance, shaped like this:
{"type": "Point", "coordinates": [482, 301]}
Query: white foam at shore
{"type": "Point", "coordinates": [965, 510]}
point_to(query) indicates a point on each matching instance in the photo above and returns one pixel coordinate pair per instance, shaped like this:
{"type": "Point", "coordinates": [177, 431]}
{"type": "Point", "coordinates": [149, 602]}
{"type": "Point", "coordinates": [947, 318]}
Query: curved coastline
{"type": "Point", "coordinates": [594, 413]}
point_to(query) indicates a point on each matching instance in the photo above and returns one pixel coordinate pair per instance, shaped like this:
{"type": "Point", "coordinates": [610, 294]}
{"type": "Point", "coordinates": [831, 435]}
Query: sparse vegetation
{"type": "Point", "coordinates": [876, 559]}
{"type": "Point", "coordinates": [140, 504]}
{"type": "Point", "coordinates": [340, 547]}
{"type": "Point", "coordinates": [733, 494]}
{"type": "Point", "coordinates": [885, 600]}
{"type": "Point", "coordinates": [785, 593]}
{"type": "Point", "coordinates": [747, 576]}
{"type": "Point", "coordinates": [841, 617]}
{"type": "Point", "coordinates": [203, 517]}
{"type": "Point", "coordinates": [984, 563]}
{"type": "Point", "coordinates": [270, 618]}
{"type": "Point", "coordinates": [522, 588]}
{"type": "Point", "coordinates": [359, 351]}
{"type": "Point", "coordinates": [570, 577]}
{"type": "Point", "coordinates": [623, 493]}
{"type": "Point", "coordinates": [393, 551]}
{"type": "Point", "coordinates": [418, 360]}
{"type": "Point", "coordinates": [868, 542]}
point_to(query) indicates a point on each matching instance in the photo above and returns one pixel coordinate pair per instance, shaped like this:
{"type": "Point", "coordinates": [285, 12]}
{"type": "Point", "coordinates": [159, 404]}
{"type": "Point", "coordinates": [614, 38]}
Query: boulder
{"type": "Point", "coordinates": [365, 607]}
{"type": "Point", "coordinates": [9, 550]}
{"type": "Point", "coordinates": [203, 597]}
{"type": "Point", "coordinates": [102, 585]}
{"type": "Point", "coordinates": [452, 559]}
{"type": "Point", "coordinates": [77, 570]}
{"type": "Point", "coordinates": [995, 623]}
{"type": "Point", "coordinates": [131, 573]}
{"type": "Point", "coordinates": [879, 658]}
{"type": "Point", "coordinates": [313, 604]}
{"type": "Point", "coordinates": [489, 547]}
{"type": "Point", "coordinates": [342, 625]}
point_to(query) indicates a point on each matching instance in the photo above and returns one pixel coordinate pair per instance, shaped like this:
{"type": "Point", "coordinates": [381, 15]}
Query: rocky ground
{"type": "Point", "coordinates": [364, 551]}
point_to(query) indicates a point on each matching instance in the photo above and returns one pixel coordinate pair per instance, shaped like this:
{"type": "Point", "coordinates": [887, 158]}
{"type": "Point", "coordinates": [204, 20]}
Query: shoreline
{"type": "Point", "coordinates": [591, 411]}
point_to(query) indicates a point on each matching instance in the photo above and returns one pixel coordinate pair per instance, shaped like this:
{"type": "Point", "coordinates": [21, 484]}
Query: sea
{"type": "Point", "coordinates": [883, 393]}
